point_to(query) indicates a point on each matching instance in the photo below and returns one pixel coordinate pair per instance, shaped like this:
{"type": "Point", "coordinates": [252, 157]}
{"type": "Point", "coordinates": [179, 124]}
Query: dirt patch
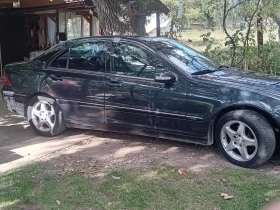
{"type": "Point", "coordinates": [107, 151]}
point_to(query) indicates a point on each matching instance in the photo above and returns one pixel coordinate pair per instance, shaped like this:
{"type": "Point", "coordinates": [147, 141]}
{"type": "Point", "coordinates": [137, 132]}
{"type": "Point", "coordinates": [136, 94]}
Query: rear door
{"type": "Point", "coordinates": [77, 79]}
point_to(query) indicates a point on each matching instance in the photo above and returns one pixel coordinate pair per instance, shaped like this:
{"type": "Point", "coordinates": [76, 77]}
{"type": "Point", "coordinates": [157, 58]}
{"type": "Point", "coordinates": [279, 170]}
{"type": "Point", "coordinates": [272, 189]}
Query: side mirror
{"type": "Point", "coordinates": [165, 78]}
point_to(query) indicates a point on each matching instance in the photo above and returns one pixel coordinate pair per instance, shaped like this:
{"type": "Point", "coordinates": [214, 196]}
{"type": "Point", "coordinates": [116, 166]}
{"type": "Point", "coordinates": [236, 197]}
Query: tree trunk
{"type": "Point", "coordinates": [209, 22]}
{"type": "Point", "coordinates": [116, 17]}
{"type": "Point", "coordinates": [278, 23]}
{"type": "Point", "coordinates": [138, 25]}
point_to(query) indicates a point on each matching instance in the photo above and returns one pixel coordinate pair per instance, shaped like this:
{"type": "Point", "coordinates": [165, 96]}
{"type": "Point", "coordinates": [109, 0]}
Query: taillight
{"type": "Point", "coordinates": [6, 80]}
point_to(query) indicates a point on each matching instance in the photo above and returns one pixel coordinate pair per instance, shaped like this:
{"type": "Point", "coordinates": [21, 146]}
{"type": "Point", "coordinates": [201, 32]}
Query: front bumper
{"type": "Point", "coordinates": [11, 102]}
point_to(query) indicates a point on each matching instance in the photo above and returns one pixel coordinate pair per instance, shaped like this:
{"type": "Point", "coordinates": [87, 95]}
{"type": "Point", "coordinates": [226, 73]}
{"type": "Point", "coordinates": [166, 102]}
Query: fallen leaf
{"type": "Point", "coordinates": [226, 196]}
{"type": "Point", "coordinates": [116, 178]}
{"type": "Point", "coordinates": [267, 199]}
{"type": "Point", "coordinates": [57, 202]}
{"type": "Point", "coordinates": [183, 171]}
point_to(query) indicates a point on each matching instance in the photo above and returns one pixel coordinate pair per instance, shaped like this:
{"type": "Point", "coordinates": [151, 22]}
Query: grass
{"type": "Point", "coordinates": [194, 40]}
{"type": "Point", "coordinates": [160, 188]}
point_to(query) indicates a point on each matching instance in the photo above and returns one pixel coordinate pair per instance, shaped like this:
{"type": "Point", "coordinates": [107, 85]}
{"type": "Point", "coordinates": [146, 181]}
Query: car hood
{"type": "Point", "coordinates": [244, 78]}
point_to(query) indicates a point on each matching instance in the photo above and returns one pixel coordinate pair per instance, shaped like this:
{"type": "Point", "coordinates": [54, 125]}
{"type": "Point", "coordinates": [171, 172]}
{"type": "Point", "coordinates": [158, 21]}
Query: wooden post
{"type": "Point", "coordinates": [158, 23]}
{"type": "Point", "coordinates": [1, 64]}
{"type": "Point", "coordinates": [46, 31]}
{"type": "Point", "coordinates": [82, 26]}
{"type": "Point", "coordinates": [91, 26]}
{"type": "Point", "coordinates": [57, 26]}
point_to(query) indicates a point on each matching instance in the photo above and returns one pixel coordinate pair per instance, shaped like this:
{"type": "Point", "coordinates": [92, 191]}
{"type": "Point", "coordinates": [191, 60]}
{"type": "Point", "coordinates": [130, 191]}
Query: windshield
{"type": "Point", "coordinates": [184, 57]}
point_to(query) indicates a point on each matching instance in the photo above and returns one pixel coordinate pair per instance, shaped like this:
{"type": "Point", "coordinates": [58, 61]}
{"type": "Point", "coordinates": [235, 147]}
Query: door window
{"type": "Point", "coordinates": [89, 56]}
{"type": "Point", "coordinates": [130, 60]}
{"type": "Point", "coordinates": [86, 56]}
{"type": "Point", "coordinates": [61, 61]}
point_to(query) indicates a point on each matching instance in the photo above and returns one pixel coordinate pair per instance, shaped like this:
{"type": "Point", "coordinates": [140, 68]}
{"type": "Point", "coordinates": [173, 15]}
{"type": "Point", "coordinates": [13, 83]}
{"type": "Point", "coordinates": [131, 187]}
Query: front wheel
{"type": "Point", "coordinates": [245, 138]}
{"type": "Point", "coordinates": [45, 117]}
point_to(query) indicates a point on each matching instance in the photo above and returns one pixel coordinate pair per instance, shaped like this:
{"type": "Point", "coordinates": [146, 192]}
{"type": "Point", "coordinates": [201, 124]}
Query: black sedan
{"type": "Point", "coordinates": [148, 86]}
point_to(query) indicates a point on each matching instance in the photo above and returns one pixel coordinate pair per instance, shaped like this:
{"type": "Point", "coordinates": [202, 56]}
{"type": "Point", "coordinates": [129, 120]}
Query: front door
{"type": "Point", "coordinates": [134, 100]}
{"type": "Point", "coordinates": [77, 79]}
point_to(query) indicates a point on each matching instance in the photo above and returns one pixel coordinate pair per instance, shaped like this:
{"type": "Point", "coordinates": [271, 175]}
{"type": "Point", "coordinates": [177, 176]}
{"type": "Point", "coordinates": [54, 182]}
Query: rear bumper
{"type": "Point", "coordinates": [12, 103]}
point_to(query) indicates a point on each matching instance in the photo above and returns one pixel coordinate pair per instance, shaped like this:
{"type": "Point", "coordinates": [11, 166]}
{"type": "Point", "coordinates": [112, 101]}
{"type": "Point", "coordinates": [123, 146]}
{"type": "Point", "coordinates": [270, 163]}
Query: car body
{"type": "Point", "coordinates": [146, 86]}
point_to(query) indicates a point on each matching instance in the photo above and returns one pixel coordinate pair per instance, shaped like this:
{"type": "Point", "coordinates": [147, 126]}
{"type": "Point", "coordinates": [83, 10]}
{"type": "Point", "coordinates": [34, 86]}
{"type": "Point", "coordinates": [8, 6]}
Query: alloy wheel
{"type": "Point", "coordinates": [43, 116]}
{"type": "Point", "coordinates": [239, 141]}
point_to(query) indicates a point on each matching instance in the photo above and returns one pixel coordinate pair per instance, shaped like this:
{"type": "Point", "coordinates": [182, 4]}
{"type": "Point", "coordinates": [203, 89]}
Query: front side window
{"type": "Point", "coordinates": [89, 56]}
{"type": "Point", "coordinates": [130, 60]}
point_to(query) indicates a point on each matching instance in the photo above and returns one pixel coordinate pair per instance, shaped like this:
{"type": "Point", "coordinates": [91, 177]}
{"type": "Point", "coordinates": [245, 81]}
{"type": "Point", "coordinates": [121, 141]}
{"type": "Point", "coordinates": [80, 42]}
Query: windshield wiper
{"type": "Point", "coordinates": [223, 67]}
{"type": "Point", "coordinates": [206, 71]}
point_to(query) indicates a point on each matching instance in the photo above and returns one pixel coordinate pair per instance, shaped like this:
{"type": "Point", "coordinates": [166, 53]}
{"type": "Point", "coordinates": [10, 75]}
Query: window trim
{"type": "Point", "coordinates": [132, 77]}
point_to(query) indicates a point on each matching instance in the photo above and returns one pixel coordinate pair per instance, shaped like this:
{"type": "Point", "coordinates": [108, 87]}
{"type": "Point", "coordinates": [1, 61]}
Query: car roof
{"type": "Point", "coordinates": [132, 38]}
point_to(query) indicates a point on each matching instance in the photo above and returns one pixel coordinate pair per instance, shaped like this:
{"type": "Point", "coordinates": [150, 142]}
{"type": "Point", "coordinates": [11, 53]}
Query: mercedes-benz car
{"type": "Point", "coordinates": [148, 86]}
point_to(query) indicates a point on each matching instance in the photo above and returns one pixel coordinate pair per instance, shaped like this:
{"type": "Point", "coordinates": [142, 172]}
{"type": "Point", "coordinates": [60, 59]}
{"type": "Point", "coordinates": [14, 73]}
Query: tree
{"type": "Point", "coordinates": [122, 16]}
{"type": "Point", "coordinates": [208, 9]}
{"type": "Point", "coordinates": [272, 10]}
{"type": "Point", "coordinates": [248, 9]}
{"type": "Point", "coordinates": [176, 23]}
{"type": "Point", "coordinates": [200, 11]}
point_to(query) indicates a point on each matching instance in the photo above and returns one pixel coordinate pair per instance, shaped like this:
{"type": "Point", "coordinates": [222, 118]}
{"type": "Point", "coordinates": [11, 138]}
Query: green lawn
{"type": "Point", "coordinates": [194, 40]}
{"type": "Point", "coordinates": [35, 187]}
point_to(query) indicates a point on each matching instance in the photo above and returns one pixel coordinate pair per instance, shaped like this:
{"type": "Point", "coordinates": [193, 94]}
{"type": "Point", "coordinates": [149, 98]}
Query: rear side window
{"type": "Point", "coordinates": [86, 56]}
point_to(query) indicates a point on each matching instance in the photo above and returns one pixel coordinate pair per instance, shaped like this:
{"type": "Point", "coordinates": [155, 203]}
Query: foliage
{"type": "Point", "coordinates": [266, 60]}
{"type": "Point", "coordinates": [207, 10]}
{"type": "Point", "coordinates": [176, 23]}
{"type": "Point", "coordinates": [198, 11]}
{"type": "Point", "coordinates": [240, 48]}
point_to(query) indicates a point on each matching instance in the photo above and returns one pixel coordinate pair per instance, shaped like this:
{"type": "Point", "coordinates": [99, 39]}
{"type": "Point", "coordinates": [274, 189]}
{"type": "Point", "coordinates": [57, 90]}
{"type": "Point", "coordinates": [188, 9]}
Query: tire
{"type": "Point", "coordinates": [48, 122]}
{"type": "Point", "coordinates": [244, 130]}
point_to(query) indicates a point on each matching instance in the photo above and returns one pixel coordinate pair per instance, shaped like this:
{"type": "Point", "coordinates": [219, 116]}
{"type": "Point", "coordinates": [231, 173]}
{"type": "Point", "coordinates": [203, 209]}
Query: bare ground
{"type": "Point", "coordinates": [106, 151]}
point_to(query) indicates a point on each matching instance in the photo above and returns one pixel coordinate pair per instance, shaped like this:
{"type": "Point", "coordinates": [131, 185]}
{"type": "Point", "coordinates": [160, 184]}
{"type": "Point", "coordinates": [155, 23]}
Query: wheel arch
{"type": "Point", "coordinates": [272, 121]}
{"type": "Point", "coordinates": [31, 96]}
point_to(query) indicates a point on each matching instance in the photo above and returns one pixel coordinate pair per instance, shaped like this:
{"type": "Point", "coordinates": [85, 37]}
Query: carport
{"type": "Point", "coordinates": [28, 27]}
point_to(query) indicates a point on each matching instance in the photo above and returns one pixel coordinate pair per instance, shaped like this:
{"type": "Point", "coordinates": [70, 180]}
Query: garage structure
{"type": "Point", "coordinates": [28, 27]}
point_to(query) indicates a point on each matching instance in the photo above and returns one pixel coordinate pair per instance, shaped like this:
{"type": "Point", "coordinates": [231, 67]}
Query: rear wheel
{"type": "Point", "coordinates": [45, 117]}
{"type": "Point", "coordinates": [245, 138]}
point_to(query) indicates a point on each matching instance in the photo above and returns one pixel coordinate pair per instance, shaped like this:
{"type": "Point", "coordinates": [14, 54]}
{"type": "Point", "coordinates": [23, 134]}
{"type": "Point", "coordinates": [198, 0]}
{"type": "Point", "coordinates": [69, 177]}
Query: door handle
{"type": "Point", "coordinates": [113, 83]}
{"type": "Point", "coordinates": [56, 77]}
